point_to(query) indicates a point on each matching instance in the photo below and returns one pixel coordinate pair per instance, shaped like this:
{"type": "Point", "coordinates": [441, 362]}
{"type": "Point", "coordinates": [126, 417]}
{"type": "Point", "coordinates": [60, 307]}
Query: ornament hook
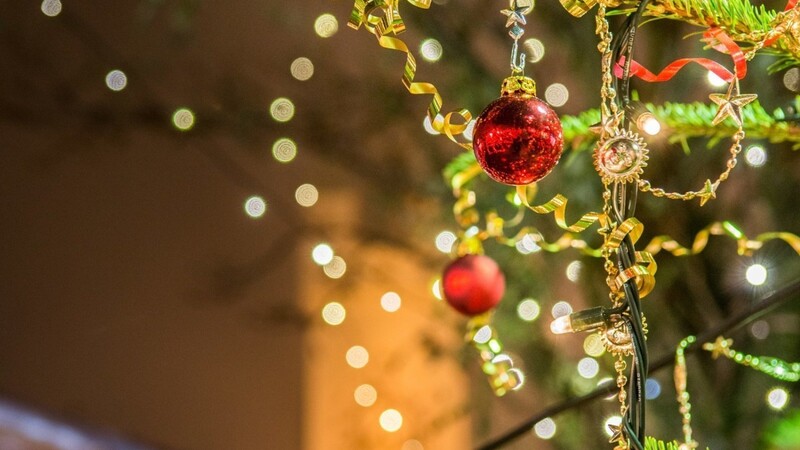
{"type": "Point", "coordinates": [516, 19]}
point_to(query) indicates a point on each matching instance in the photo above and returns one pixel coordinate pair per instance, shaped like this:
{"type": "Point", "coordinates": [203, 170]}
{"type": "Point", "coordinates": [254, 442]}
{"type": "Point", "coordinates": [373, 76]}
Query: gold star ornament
{"type": "Point", "coordinates": [516, 13]}
{"type": "Point", "coordinates": [730, 104]}
{"type": "Point", "coordinates": [721, 346]}
{"type": "Point", "coordinates": [709, 192]}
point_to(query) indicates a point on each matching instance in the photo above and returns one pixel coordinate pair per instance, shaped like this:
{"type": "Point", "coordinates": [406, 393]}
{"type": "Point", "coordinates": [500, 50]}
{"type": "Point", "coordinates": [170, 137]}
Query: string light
{"type": "Point", "coordinates": [613, 421]}
{"type": "Point", "coordinates": [183, 119]}
{"type": "Point", "coordinates": [648, 123]}
{"type": "Point", "coordinates": [255, 207]}
{"type": "Point", "coordinates": [545, 428]}
{"type": "Point", "coordinates": [116, 80]}
{"type": "Point", "coordinates": [391, 420]}
{"type": "Point", "coordinates": [334, 313]}
{"type": "Point", "coordinates": [756, 274]}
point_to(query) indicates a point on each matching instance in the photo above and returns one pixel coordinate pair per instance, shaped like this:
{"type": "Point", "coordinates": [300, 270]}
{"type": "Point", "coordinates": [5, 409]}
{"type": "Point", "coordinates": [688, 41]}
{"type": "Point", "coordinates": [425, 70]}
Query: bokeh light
{"type": "Point", "coordinates": [527, 245]}
{"type": "Point", "coordinates": [281, 109]}
{"type": "Point", "coordinates": [611, 421]}
{"type": "Point", "coordinates": [51, 8]}
{"type": "Point", "coordinates": [760, 329]}
{"type": "Point", "coordinates": [556, 94]}
{"type": "Point", "coordinates": [284, 150]}
{"type": "Point", "coordinates": [483, 334]}
{"type": "Point", "coordinates": [469, 130]}
{"type": "Point", "coordinates": [116, 80]}
{"type": "Point", "coordinates": [574, 271]}
{"type": "Point", "coordinates": [365, 395]}
{"type": "Point", "coordinates": [428, 126]}
{"type": "Point", "coordinates": [791, 79]}
{"type": "Point", "coordinates": [593, 345]}
{"type": "Point", "coordinates": [391, 302]}
{"type": "Point", "coordinates": [528, 310]}
{"type": "Point", "coordinates": [336, 268]}
{"type": "Point", "coordinates": [777, 398]}
{"type": "Point", "coordinates": [588, 367]}
{"type": "Point", "coordinates": [306, 195]}
{"type": "Point", "coordinates": [326, 25]}
{"type": "Point", "coordinates": [183, 119]}
{"type": "Point", "coordinates": [322, 254]}
{"type": "Point", "coordinates": [755, 156]}
{"type": "Point", "coordinates": [391, 420]}
{"type": "Point", "coordinates": [534, 50]}
{"type": "Point", "coordinates": [715, 80]}
{"type": "Point", "coordinates": [436, 289]}
{"type": "Point", "coordinates": [545, 428]}
{"type": "Point", "coordinates": [302, 68]}
{"type": "Point", "coordinates": [255, 206]}
{"type": "Point", "coordinates": [445, 241]}
{"type": "Point", "coordinates": [431, 50]}
{"type": "Point", "coordinates": [756, 274]}
{"type": "Point", "coordinates": [334, 313]}
{"type": "Point", "coordinates": [357, 357]}
{"type": "Point", "coordinates": [560, 309]}
{"type": "Point", "coordinates": [412, 444]}
{"type": "Point", "coordinates": [652, 389]}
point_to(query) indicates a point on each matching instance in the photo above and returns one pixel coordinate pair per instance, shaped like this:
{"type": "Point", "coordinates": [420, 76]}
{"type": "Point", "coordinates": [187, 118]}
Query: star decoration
{"type": "Point", "coordinates": [616, 433]}
{"type": "Point", "coordinates": [709, 191]}
{"type": "Point", "coordinates": [721, 346]}
{"type": "Point", "coordinates": [515, 14]}
{"type": "Point", "coordinates": [607, 125]}
{"type": "Point", "coordinates": [730, 104]}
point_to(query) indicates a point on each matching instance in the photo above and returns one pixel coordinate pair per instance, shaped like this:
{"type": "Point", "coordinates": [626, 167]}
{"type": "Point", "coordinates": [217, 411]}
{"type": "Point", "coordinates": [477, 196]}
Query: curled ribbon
{"type": "Point", "coordinates": [724, 44]}
{"type": "Point", "coordinates": [367, 13]}
{"type": "Point", "coordinates": [644, 268]}
{"type": "Point", "coordinates": [498, 366]}
{"type": "Point", "coordinates": [558, 206]}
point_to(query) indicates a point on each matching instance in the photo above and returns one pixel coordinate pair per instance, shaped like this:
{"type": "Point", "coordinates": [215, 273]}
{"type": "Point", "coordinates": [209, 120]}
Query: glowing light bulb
{"type": "Point", "coordinates": [756, 274]}
{"type": "Point", "coordinates": [561, 325]}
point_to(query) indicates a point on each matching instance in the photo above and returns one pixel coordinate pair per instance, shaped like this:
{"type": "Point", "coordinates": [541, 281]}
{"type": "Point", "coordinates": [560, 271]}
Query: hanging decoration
{"type": "Point", "coordinates": [518, 140]}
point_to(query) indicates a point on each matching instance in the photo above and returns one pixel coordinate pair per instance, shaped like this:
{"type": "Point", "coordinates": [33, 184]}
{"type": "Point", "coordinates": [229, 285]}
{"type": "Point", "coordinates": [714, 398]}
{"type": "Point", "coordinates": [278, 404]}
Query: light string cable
{"type": "Point", "coordinates": [624, 205]}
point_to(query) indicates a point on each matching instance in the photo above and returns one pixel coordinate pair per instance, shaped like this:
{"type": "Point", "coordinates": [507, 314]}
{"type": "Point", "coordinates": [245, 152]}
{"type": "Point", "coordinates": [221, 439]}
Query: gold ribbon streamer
{"type": "Point", "coordinates": [644, 268]}
{"type": "Point", "coordinates": [392, 23]}
{"type": "Point", "coordinates": [745, 246]}
{"type": "Point", "coordinates": [558, 206]}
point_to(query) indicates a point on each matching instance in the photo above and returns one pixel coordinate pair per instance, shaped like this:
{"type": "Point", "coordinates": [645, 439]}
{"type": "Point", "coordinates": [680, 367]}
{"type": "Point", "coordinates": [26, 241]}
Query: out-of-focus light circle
{"type": "Point", "coordinates": [391, 301]}
{"type": "Point", "coordinates": [322, 254]}
{"type": "Point", "coordinates": [545, 428]}
{"type": "Point", "coordinates": [445, 241]}
{"type": "Point", "coordinates": [527, 245]}
{"type": "Point", "coordinates": [431, 50]}
{"type": "Point", "coordinates": [556, 94]}
{"type": "Point", "coordinates": [760, 329]}
{"type": "Point", "coordinates": [281, 109]}
{"type": "Point", "coordinates": [604, 382]}
{"type": "Point", "coordinates": [428, 126]}
{"type": "Point", "coordinates": [574, 271]}
{"type": "Point", "coordinates": [326, 25]}
{"type": "Point", "coordinates": [472, 231]}
{"type": "Point", "coordinates": [436, 289]}
{"type": "Point", "coordinates": [51, 8]}
{"type": "Point", "coordinates": [611, 421]}
{"type": "Point", "coordinates": [791, 79]}
{"type": "Point", "coordinates": [593, 345]}
{"type": "Point", "coordinates": [365, 395]}
{"type": "Point", "coordinates": [756, 274]}
{"type": "Point", "coordinates": [755, 156]}
{"type": "Point", "coordinates": [648, 123]}
{"type": "Point", "coordinates": [652, 389]}
{"type": "Point", "coordinates": [302, 68]}
{"type": "Point", "coordinates": [284, 150]}
{"type": "Point", "coordinates": [483, 334]}
{"type": "Point", "coordinates": [183, 119]}
{"type": "Point", "coordinates": [588, 367]}
{"type": "Point", "coordinates": [357, 357]}
{"type": "Point", "coordinates": [777, 398]}
{"type": "Point", "coordinates": [255, 206]}
{"type": "Point", "coordinates": [528, 310]}
{"type": "Point", "coordinates": [391, 420]}
{"type": "Point", "coordinates": [336, 268]}
{"type": "Point", "coordinates": [116, 80]}
{"type": "Point", "coordinates": [334, 313]}
{"type": "Point", "coordinates": [412, 444]}
{"type": "Point", "coordinates": [534, 50]}
{"type": "Point", "coordinates": [560, 309]}
{"type": "Point", "coordinates": [306, 195]}
{"type": "Point", "coordinates": [715, 80]}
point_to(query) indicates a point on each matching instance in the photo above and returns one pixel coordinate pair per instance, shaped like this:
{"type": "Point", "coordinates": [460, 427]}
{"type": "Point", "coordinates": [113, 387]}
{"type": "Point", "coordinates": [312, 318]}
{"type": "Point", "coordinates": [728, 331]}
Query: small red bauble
{"type": "Point", "coordinates": [473, 284]}
{"type": "Point", "coordinates": [518, 138]}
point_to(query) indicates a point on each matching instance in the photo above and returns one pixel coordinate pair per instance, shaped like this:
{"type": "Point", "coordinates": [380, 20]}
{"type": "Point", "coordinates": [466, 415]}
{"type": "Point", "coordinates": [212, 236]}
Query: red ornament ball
{"type": "Point", "coordinates": [518, 139]}
{"type": "Point", "coordinates": [473, 284]}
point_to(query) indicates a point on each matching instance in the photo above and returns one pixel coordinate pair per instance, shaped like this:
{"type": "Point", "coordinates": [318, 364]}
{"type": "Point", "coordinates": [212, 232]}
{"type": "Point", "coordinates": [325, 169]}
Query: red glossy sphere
{"type": "Point", "coordinates": [473, 284]}
{"type": "Point", "coordinates": [517, 140]}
